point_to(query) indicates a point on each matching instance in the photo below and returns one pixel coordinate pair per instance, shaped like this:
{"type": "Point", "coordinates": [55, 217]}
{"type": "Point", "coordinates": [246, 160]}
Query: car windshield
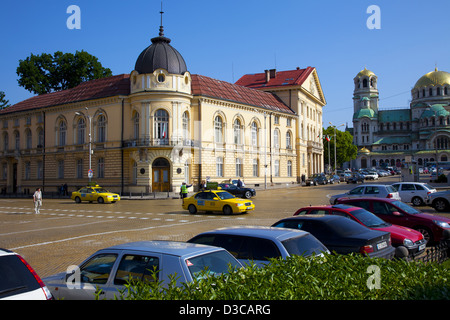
{"type": "Point", "coordinates": [224, 195]}
{"type": "Point", "coordinates": [304, 245]}
{"type": "Point", "coordinates": [214, 263]}
{"type": "Point", "coordinates": [369, 219]}
{"type": "Point", "coordinates": [405, 207]}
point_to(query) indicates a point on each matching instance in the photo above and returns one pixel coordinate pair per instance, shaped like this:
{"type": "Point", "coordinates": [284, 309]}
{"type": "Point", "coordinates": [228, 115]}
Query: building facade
{"type": "Point", "coordinates": [160, 125]}
{"type": "Point", "coordinates": [419, 133]}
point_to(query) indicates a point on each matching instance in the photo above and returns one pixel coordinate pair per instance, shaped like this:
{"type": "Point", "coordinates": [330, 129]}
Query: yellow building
{"type": "Point", "coordinates": [159, 126]}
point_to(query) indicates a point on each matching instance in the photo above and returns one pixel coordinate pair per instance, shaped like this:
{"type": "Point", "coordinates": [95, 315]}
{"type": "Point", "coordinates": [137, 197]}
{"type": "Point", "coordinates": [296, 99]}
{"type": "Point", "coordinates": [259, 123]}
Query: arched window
{"type": "Point", "coordinates": [254, 132]}
{"type": "Point", "coordinates": [276, 139]}
{"type": "Point", "coordinates": [162, 126]}
{"type": "Point", "coordinates": [17, 140]}
{"type": "Point", "coordinates": [28, 138]}
{"type": "Point", "coordinates": [289, 168]}
{"type": "Point", "coordinates": [218, 129]}
{"type": "Point", "coordinates": [364, 83]}
{"type": "Point", "coordinates": [40, 133]}
{"type": "Point", "coordinates": [185, 124]}
{"type": "Point", "coordinates": [5, 141]}
{"type": "Point", "coordinates": [101, 128]}
{"type": "Point", "coordinates": [136, 125]}
{"type": "Point", "coordinates": [62, 130]}
{"type": "Point", "coordinates": [288, 140]}
{"type": "Point", "coordinates": [81, 131]}
{"type": "Point", "coordinates": [237, 131]}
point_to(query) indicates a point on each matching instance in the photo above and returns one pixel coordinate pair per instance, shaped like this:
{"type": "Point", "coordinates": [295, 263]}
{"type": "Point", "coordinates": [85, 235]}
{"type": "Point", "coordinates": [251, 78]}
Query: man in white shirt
{"type": "Point", "coordinates": [37, 198]}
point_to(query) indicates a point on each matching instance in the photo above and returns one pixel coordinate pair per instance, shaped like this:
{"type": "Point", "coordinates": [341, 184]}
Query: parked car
{"type": "Point", "coordinates": [370, 175]}
{"type": "Point", "coordinates": [111, 268]}
{"type": "Point", "coordinates": [259, 244]}
{"type": "Point", "coordinates": [94, 193]}
{"type": "Point", "coordinates": [18, 280]}
{"type": "Point", "coordinates": [334, 178]}
{"type": "Point", "coordinates": [413, 192]}
{"type": "Point", "coordinates": [316, 179]}
{"type": "Point", "coordinates": [368, 190]}
{"type": "Point", "coordinates": [342, 235]}
{"type": "Point", "coordinates": [439, 200]}
{"type": "Point", "coordinates": [242, 192]}
{"type": "Point", "coordinates": [355, 178]}
{"type": "Point", "coordinates": [412, 240]}
{"type": "Point", "coordinates": [217, 201]}
{"type": "Point", "coordinates": [397, 212]}
{"type": "Point", "coordinates": [344, 177]}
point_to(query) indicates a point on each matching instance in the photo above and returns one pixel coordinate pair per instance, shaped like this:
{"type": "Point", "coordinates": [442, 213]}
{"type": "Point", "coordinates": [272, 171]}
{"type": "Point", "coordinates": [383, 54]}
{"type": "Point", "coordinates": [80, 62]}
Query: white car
{"type": "Point", "coordinates": [18, 280]}
{"type": "Point", "coordinates": [368, 190]}
{"type": "Point", "coordinates": [439, 200]}
{"type": "Point", "coordinates": [413, 192]}
{"type": "Point", "coordinates": [371, 175]}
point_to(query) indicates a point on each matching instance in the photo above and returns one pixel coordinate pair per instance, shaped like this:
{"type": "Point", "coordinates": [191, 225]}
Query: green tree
{"type": "Point", "coordinates": [3, 102]}
{"type": "Point", "coordinates": [46, 73]}
{"type": "Point", "coordinates": [345, 149]}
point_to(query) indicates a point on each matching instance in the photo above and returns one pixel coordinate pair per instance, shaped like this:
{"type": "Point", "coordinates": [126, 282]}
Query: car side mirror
{"type": "Point", "coordinates": [215, 198]}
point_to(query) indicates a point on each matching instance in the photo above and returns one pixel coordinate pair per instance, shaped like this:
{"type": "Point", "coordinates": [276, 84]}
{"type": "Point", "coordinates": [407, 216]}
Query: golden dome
{"type": "Point", "coordinates": [434, 78]}
{"type": "Point", "coordinates": [365, 72]}
{"type": "Point", "coordinates": [364, 150]}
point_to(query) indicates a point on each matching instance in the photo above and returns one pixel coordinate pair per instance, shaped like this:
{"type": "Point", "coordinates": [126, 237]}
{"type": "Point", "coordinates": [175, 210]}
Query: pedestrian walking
{"type": "Point", "coordinates": [37, 199]}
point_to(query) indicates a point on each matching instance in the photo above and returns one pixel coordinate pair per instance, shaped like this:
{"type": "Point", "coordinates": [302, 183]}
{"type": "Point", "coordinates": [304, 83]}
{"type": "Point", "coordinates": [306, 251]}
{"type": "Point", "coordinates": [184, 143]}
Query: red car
{"type": "Point", "coordinates": [433, 227]}
{"type": "Point", "coordinates": [412, 240]}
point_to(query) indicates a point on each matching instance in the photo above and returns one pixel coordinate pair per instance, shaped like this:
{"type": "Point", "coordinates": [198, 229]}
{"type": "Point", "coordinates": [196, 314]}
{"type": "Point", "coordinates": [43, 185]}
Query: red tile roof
{"type": "Point", "coordinates": [120, 85]}
{"type": "Point", "coordinates": [89, 90]}
{"type": "Point", "coordinates": [209, 87]}
{"type": "Point", "coordinates": [282, 78]}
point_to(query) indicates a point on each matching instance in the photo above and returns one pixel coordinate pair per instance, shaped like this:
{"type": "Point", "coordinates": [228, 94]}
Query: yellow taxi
{"type": "Point", "coordinates": [217, 200]}
{"type": "Point", "coordinates": [94, 193]}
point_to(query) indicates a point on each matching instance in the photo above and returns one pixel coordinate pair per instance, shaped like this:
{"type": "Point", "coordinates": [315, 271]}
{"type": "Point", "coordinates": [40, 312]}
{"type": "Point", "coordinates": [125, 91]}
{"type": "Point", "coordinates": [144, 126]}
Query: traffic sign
{"type": "Point", "coordinates": [90, 173]}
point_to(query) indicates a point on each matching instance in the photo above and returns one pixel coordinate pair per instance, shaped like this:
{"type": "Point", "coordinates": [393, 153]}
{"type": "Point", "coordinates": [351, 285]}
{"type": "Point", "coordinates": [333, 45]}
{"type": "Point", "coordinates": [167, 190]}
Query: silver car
{"type": "Point", "coordinates": [368, 190]}
{"type": "Point", "coordinates": [111, 268]}
{"type": "Point", "coordinates": [258, 244]}
{"type": "Point", "coordinates": [413, 192]}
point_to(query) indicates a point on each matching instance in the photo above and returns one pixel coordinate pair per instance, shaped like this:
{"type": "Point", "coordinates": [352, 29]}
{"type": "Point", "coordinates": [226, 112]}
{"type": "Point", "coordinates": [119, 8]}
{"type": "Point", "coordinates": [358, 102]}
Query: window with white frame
{"type": "Point", "coordinates": [237, 131]}
{"type": "Point", "coordinates": [81, 131]}
{"type": "Point", "coordinates": [185, 124]}
{"type": "Point", "coordinates": [289, 168]}
{"type": "Point", "coordinates": [218, 129]}
{"type": "Point", "coordinates": [219, 166]}
{"type": "Point", "coordinates": [62, 130]}
{"type": "Point", "coordinates": [254, 132]}
{"type": "Point", "coordinates": [288, 140]}
{"type": "Point", "coordinates": [276, 168]}
{"type": "Point", "coordinates": [255, 167]}
{"type": "Point", "coordinates": [161, 126]}
{"type": "Point", "coordinates": [238, 167]}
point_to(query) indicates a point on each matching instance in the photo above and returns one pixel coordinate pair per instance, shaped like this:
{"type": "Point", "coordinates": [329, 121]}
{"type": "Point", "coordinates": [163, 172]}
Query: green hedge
{"type": "Point", "coordinates": [335, 277]}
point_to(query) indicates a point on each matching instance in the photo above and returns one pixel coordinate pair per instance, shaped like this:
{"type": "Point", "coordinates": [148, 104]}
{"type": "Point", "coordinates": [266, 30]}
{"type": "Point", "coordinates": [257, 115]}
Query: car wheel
{"type": "Point", "coordinates": [227, 210]}
{"type": "Point", "coordinates": [248, 194]}
{"type": "Point", "coordinates": [427, 234]}
{"type": "Point", "coordinates": [417, 201]}
{"type": "Point", "coordinates": [192, 209]}
{"type": "Point", "coordinates": [440, 204]}
{"type": "Point", "coordinates": [100, 200]}
{"type": "Point", "coordinates": [77, 199]}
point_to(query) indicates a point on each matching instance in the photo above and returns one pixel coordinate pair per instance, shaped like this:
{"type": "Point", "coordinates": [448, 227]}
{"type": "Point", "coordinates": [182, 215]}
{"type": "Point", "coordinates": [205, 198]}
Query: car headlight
{"type": "Point", "coordinates": [442, 224]}
{"type": "Point", "coordinates": [239, 204]}
{"type": "Point", "coordinates": [408, 243]}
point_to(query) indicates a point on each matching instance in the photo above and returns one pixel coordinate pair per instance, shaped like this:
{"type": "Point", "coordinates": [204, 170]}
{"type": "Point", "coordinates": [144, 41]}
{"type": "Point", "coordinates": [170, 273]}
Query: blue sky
{"type": "Point", "coordinates": [227, 39]}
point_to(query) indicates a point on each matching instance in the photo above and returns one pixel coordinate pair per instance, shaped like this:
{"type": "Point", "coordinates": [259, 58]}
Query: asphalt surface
{"type": "Point", "coordinates": [65, 233]}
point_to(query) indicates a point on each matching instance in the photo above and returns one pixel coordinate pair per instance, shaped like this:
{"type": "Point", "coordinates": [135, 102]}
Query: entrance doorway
{"type": "Point", "coordinates": [161, 175]}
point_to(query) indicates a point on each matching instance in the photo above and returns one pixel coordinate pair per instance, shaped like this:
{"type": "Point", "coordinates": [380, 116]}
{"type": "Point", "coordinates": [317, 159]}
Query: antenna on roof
{"type": "Point", "coordinates": [161, 28]}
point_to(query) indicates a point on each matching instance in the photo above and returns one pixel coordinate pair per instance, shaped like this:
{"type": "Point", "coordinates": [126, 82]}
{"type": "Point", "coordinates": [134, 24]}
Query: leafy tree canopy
{"type": "Point", "coordinates": [46, 73]}
{"type": "Point", "coordinates": [3, 102]}
{"type": "Point", "coordinates": [345, 149]}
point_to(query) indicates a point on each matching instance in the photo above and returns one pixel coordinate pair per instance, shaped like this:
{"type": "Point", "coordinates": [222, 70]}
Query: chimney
{"type": "Point", "coordinates": [273, 73]}
{"type": "Point", "coordinates": [267, 72]}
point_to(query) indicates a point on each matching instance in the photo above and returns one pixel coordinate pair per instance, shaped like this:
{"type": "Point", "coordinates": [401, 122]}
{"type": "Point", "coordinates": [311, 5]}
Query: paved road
{"type": "Point", "coordinates": [65, 232]}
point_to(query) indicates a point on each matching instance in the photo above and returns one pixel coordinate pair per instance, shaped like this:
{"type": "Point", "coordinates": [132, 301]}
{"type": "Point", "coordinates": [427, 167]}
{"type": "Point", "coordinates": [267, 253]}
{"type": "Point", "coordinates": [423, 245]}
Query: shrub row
{"type": "Point", "coordinates": [335, 277]}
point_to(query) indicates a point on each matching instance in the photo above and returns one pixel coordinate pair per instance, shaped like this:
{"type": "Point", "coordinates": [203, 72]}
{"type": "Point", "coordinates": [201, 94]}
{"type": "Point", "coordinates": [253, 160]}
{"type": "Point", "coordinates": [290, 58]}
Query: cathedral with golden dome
{"type": "Point", "coordinates": [392, 137]}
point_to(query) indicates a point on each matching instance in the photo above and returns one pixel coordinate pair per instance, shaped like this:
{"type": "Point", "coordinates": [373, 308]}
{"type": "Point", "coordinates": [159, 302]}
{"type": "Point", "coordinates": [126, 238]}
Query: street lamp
{"type": "Point", "coordinates": [429, 108]}
{"type": "Point", "coordinates": [90, 141]}
{"type": "Point", "coordinates": [335, 143]}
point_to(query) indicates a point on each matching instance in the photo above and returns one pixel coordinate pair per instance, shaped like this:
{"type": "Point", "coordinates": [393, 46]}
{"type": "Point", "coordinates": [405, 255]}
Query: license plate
{"type": "Point", "coordinates": [249, 208]}
{"type": "Point", "coordinates": [381, 245]}
{"type": "Point", "coordinates": [422, 247]}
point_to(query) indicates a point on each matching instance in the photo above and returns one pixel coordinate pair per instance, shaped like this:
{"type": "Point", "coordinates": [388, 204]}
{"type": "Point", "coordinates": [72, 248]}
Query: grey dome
{"type": "Point", "coordinates": [160, 54]}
